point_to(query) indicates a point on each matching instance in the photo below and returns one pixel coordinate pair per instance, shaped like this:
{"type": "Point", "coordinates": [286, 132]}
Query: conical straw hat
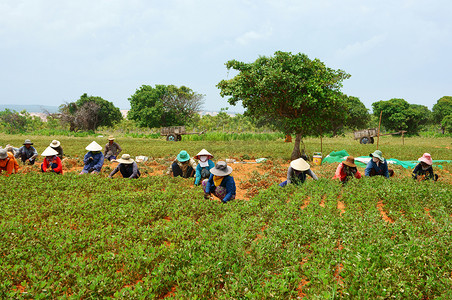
{"type": "Point", "coordinates": [300, 164]}
{"type": "Point", "coordinates": [49, 151]}
{"type": "Point", "coordinates": [203, 152]}
{"type": "Point", "coordinates": [94, 147]}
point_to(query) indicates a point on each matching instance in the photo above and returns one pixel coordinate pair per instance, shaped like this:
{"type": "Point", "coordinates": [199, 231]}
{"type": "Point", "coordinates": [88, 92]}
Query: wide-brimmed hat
{"type": "Point", "coordinates": [426, 158]}
{"type": "Point", "coordinates": [49, 151]}
{"type": "Point", "coordinates": [94, 147]}
{"type": "Point", "coordinates": [203, 152]}
{"type": "Point", "coordinates": [54, 144]}
{"type": "Point", "coordinates": [125, 159]}
{"type": "Point", "coordinates": [3, 154]}
{"type": "Point", "coordinates": [28, 142]}
{"type": "Point", "coordinates": [350, 161]}
{"type": "Point", "coordinates": [183, 156]}
{"type": "Point", "coordinates": [221, 169]}
{"type": "Point", "coordinates": [378, 154]}
{"type": "Point", "coordinates": [300, 164]}
{"type": "Point", "coordinates": [111, 138]}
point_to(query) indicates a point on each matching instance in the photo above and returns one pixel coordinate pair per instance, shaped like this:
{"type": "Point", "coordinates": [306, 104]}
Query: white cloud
{"type": "Point", "coordinates": [360, 48]}
{"type": "Point", "coordinates": [252, 36]}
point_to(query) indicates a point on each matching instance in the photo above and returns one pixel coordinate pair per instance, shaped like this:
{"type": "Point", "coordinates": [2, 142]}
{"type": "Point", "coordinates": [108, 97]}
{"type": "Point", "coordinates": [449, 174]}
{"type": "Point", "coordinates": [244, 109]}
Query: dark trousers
{"type": "Point", "coordinates": [373, 173]}
{"type": "Point", "coordinates": [177, 171]}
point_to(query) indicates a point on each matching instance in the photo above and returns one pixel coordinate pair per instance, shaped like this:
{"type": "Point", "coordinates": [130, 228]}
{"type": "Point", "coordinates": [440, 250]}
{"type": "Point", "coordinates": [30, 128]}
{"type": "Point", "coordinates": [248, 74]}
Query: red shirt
{"type": "Point", "coordinates": [48, 161]}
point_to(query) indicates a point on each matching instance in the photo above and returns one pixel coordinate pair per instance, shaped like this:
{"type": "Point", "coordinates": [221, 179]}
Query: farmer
{"type": "Point", "coordinates": [378, 166]}
{"type": "Point", "coordinates": [94, 159]}
{"type": "Point", "coordinates": [204, 166]}
{"type": "Point", "coordinates": [220, 183]}
{"type": "Point", "coordinates": [27, 153]}
{"type": "Point", "coordinates": [112, 149]}
{"type": "Point", "coordinates": [11, 149]}
{"type": "Point", "coordinates": [7, 162]}
{"type": "Point", "coordinates": [56, 145]}
{"type": "Point", "coordinates": [52, 162]}
{"type": "Point", "coordinates": [424, 169]}
{"type": "Point", "coordinates": [297, 172]}
{"type": "Point", "coordinates": [347, 170]}
{"type": "Point", "coordinates": [183, 166]}
{"type": "Point", "coordinates": [127, 166]}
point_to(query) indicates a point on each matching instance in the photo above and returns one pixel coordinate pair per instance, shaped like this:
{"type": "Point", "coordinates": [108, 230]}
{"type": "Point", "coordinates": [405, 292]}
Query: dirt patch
{"type": "Point", "coordinates": [383, 214]}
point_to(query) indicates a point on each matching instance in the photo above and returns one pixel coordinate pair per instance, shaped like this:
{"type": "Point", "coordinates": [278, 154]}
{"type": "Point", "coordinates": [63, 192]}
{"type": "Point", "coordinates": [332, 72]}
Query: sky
{"type": "Point", "coordinates": [52, 52]}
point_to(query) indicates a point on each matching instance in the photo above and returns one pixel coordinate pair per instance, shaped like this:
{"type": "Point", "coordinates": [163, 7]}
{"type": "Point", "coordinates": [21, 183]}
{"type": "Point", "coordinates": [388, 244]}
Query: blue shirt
{"type": "Point", "coordinates": [227, 182]}
{"type": "Point", "coordinates": [199, 169]}
{"type": "Point", "coordinates": [95, 164]}
{"type": "Point", "coordinates": [382, 169]}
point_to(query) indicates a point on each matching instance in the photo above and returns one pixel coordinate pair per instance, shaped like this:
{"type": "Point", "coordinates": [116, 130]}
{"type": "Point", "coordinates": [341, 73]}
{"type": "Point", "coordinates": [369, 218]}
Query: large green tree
{"type": "Point", "coordinates": [441, 110]}
{"type": "Point", "coordinates": [89, 113]}
{"type": "Point", "coordinates": [398, 114]}
{"type": "Point", "coordinates": [164, 105]}
{"type": "Point", "coordinates": [294, 93]}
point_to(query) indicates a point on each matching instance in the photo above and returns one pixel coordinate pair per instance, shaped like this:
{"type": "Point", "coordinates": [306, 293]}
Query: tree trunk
{"type": "Point", "coordinates": [296, 153]}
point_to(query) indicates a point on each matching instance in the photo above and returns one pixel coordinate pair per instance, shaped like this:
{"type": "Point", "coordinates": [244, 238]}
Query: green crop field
{"type": "Point", "coordinates": [91, 237]}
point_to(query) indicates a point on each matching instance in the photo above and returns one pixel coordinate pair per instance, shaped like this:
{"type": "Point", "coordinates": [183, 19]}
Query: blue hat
{"type": "Point", "coordinates": [183, 156]}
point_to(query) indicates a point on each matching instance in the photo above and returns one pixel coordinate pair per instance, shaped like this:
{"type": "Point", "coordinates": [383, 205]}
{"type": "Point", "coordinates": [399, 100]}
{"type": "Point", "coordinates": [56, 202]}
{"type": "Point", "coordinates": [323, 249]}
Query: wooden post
{"type": "Point", "coordinates": [378, 134]}
{"type": "Point", "coordinates": [321, 144]}
{"type": "Point", "coordinates": [403, 141]}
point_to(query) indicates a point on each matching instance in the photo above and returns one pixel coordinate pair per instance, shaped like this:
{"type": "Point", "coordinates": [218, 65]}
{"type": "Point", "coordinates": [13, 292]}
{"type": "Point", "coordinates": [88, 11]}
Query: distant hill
{"type": "Point", "coordinates": [29, 108]}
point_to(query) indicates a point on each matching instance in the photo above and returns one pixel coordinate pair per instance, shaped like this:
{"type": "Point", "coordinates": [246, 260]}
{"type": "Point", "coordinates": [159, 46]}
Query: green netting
{"type": "Point", "coordinates": [339, 156]}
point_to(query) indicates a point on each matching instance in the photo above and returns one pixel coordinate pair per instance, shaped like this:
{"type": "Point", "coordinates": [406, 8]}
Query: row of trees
{"type": "Point", "coordinates": [286, 92]}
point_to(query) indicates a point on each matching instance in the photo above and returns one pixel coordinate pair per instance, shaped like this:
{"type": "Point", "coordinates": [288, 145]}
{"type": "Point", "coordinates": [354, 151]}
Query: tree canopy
{"type": "Point", "coordinates": [442, 112]}
{"type": "Point", "coordinates": [398, 114]}
{"type": "Point", "coordinates": [89, 113]}
{"type": "Point", "coordinates": [164, 105]}
{"type": "Point", "coordinates": [296, 94]}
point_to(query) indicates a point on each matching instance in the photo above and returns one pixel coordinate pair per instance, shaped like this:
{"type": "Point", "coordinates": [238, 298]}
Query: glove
{"type": "Point", "coordinates": [90, 158]}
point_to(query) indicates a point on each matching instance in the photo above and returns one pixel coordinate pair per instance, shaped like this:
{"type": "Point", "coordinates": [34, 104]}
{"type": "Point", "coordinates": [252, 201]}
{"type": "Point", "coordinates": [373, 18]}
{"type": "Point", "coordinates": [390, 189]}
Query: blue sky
{"type": "Point", "coordinates": [52, 52]}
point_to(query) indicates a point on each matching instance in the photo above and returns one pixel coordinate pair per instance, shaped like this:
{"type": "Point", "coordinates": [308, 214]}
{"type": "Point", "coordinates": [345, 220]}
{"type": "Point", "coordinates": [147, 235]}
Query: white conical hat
{"type": "Point", "coordinates": [49, 151]}
{"type": "Point", "coordinates": [300, 164]}
{"type": "Point", "coordinates": [94, 147]}
{"type": "Point", "coordinates": [203, 152]}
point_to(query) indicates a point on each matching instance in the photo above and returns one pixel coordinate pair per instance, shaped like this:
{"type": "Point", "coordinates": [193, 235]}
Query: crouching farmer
{"type": "Point", "coordinates": [51, 163]}
{"type": "Point", "coordinates": [220, 183]}
{"type": "Point", "coordinates": [424, 169]}
{"type": "Point", "coordinates": [347, 170]}
{"type": "Point", "coordinates": [127, 166]}
{"type": "Point", "coordinates": [7, 162]}
{"type": "Point", "coordinates": [94, 159]}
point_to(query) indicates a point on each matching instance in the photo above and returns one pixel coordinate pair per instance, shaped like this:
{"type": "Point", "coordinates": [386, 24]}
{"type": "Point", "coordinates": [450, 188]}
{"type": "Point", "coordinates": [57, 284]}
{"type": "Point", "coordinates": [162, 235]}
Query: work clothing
{"type": "Point", "coordinates": [225, 190]}
{"type": "Point", "coordinates": [427, 173]}
{"type": "Point", "coordinates": [203, 172]}
{"type": "Point", "coordinates": [9, 164]}
{"type": "Point", "coordinates": [27, 154]}
{"type": "Point", "coordinates": [297, 177]}
{"type": "Point", "coordinates": [127, 170]}
{"type": "Point", "coordinates": [95, 164]}
{"type": "Point", "coordinates": [112, 150]}
{"type": "Point", "coordinates": [374, 169]}
{"type": "Point", "coordinates": [53, 163]}
{"type": "Point", "coordinates": [344, 172]}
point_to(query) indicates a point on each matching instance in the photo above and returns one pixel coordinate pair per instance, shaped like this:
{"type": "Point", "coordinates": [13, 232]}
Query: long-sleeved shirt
{"type": "Point", "coordinates": [342, 175]}
{"type": "Point", "coordinates": [48, 161]}
{"type": "Point", "coordinates": [95, 164]}
{"type": "Point", "coordinates": [191, 161]}
{"type": "Point", "coordinates": [199, 170]}
{"type": "Point", "coordinates": [227, 182]}
{"type": "Point", "coordinates": [418, 171]}
{"type": "Point", "coordinates": [9, 164]}
{"type": "Point", "coordinates": [299, 176]}
{"type": "Point", "coordinates": [25, 153]}
{"type": "Point", "coordinates": [380, 169]}
{"type": "Point", "coordinates": [127, 170]}
{"type": "Point", "coordinates": [112, 149]}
